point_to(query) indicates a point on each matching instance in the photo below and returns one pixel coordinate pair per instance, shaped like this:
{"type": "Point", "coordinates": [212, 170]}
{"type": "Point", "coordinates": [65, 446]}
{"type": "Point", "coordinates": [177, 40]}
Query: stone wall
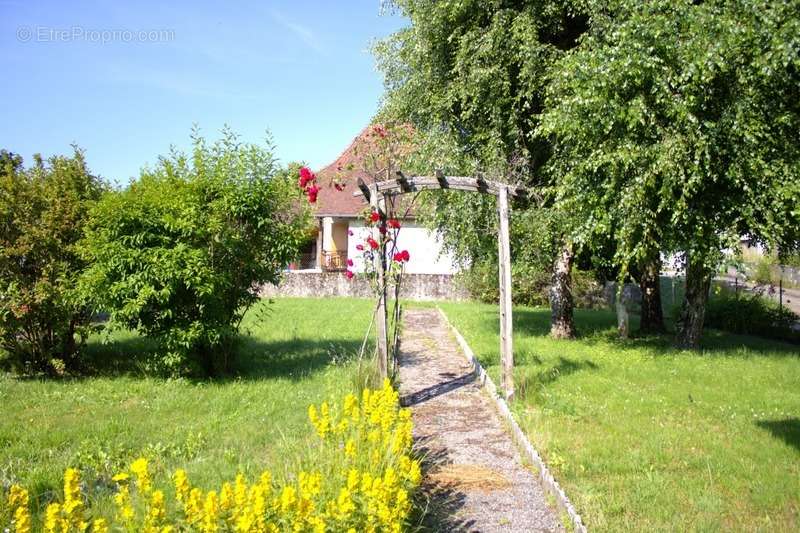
{"type": "Point", "coordinates": [322, 284]}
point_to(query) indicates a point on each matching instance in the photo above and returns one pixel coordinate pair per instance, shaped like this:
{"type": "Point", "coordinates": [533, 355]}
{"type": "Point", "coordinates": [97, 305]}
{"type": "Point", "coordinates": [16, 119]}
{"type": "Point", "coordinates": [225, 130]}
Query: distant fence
{"type": "Point", "coordinates": [419, 287]}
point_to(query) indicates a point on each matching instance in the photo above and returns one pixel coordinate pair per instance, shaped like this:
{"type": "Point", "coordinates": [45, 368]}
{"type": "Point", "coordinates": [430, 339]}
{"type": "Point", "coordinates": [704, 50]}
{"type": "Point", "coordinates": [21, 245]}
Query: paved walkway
{"type": "Point", "coordinates": [475, 479]}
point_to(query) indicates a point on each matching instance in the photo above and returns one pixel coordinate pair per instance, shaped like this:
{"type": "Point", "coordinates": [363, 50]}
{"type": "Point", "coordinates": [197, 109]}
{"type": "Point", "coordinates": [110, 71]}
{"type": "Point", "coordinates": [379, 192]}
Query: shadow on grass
{"type": "Point", "coordinates": [599, 327]}
{"type": "Point", "coordinates": [254, 359]}
{"type": "Point", "coordinates": [787, 430]}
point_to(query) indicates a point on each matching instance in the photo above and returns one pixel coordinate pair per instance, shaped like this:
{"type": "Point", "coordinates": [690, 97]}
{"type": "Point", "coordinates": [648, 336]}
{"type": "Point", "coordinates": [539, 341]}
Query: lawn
{"type": "Point", "coordinates": [297, 352]}
{"type": "Point", "coordinates": [644, 437]}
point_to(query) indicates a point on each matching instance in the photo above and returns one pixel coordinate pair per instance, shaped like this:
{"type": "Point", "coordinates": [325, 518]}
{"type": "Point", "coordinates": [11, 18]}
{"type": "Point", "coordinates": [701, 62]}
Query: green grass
{"type": "Point", "coordinates": [644, 437]}
{"type": "Point", "coordinates": [299, 352]}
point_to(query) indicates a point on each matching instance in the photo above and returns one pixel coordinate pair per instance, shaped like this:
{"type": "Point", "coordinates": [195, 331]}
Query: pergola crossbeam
{"type": "Point", "coordinates": [405, 184]}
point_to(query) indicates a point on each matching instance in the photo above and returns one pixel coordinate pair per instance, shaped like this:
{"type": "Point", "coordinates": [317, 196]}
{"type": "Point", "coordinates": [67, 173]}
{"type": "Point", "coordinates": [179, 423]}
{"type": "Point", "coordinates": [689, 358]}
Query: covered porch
{"type": "Point", "coordinates": [327, 249]}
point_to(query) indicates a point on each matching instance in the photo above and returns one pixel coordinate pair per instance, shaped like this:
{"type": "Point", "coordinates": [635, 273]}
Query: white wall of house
{"type": "Point", "coordinates": [422, 244]}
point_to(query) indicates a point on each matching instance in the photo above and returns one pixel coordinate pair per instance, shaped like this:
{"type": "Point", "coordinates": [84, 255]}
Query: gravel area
{"type": "Point", "coordinates": [474, 477]}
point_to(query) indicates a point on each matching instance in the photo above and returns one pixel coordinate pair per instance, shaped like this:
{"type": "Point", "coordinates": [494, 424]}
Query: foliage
{"type": "Point", "coordinates": [646, 437]}
{"type": "Point", "coordinates": [477, 70]}
{"type": "Point", "coordinates": [750, 313]}
{"type": "Point", "coordinates": [673, 126]}
{"type": "Point", "coordinates": [179, 254]}
{"type": "Point", "coordinates": [471, 78]}
{"type": "Point", "coordinates": [362, 478]}
{"type": "Point", "coordinates": [530, 286]}
{"type": "Point", "coordinates": [43, 210]}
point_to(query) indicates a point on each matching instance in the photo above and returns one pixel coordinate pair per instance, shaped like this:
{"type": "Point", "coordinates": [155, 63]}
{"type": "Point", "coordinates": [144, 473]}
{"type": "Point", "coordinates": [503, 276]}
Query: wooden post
{"type": "Point", "coordinates": [506, 326]}
{"type": "Point", "coordinates": [379, 263]}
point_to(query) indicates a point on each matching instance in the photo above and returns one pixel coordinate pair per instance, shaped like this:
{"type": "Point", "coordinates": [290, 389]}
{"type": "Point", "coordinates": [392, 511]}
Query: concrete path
{"type": "Point", "coordinates": [474, 476]}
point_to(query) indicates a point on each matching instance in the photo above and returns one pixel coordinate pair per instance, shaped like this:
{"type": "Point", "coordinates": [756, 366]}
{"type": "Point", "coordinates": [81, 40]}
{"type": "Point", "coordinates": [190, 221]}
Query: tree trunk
{"type": "Point", "coordinates": [650, 285]}
{"type": "Point", "coordinates": [562, 325]}
{"type": "Point", "coordinates": [693, 310]}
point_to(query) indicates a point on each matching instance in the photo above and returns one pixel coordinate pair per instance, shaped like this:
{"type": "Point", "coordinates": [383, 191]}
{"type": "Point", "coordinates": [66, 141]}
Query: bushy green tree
{"type": "Point", "coordinates": [180, 254]}
{"type": "Point", "coordinates": [675, 129]}
{"type": "Point", "coordinates": [43, 210]}
{"type": "Point", "coordinates": [472, 75]}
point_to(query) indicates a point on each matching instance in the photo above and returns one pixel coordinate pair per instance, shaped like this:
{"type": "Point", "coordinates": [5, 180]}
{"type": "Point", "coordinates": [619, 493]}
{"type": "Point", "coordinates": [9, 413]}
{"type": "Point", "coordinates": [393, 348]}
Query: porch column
{"type": "Point", "coordinates": [327, 239]}
{"type": "Point", "coordinates": [318, 262]}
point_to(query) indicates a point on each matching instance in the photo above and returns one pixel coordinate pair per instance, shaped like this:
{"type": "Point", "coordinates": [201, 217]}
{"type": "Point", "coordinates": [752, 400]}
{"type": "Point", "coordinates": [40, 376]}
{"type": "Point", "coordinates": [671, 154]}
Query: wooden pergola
{"type": "Point", "coordinates": [375, 193]}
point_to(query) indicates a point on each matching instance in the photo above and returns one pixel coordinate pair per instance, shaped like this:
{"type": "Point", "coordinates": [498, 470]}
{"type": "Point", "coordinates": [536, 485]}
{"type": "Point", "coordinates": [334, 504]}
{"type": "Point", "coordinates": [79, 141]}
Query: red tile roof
{"type": "Point", "coordinates": [331, 202]}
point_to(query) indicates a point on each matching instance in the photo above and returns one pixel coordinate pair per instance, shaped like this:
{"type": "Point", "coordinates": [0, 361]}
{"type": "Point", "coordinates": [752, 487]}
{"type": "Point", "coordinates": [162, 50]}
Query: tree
{"type": "Point", "coordinates": [42, 215]}
{"type": "Point", "coordinates": [473, 75]}
{"type": "Point", "coordinates": [674, 126]}
{"type": "Point", "coordinates": [180, 254]}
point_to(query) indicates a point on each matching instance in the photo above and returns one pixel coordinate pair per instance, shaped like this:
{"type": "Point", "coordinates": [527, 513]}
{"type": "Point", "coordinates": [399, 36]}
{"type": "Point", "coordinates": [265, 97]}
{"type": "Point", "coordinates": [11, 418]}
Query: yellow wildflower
{"type": "Point", "coordinates": [122, 477]}
{"type": "Point", "coordinates": [17, 497]}
{"type": "Point", "coordinates": [100, 526]}
{"type": "Point", "coordinates": [157, 511]}
{"type": "Point", "coordinates": [22, 519]}
{"type": "Point", "coordinates": [123, 501]}
{"type": "Point", "coordinates": [140, 469]}
{"type": "Point", "coordinates": [182, 486]}
{"type": "Point", "coordinates": [52, 518]}
{"type": "Point", "coordinates": [73, 503]}
{"type": "Point", "coordinates": [350, 448]}
{"type": "Point", "coordinates": [227, 500]}
{"type": "Point", "coordinates": [210, 513]}
{"type": "Point", "coordinates": [288, 499]}
{"type": "Point", "coordinates": [194, 506]}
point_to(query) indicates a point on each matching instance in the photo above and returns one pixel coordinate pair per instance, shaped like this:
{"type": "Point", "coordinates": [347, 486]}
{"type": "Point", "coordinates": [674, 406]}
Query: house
{"type": "Point", "coordinates": [340, 225]}
{"type": "Point", "coordinates": [339, 228]}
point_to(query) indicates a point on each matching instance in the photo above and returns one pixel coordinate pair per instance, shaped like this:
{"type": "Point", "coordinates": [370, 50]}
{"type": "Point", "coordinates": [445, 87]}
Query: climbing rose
{"type": "Point", "coordinates": [349, 262]}
{"type": "Point", "coordinates": [394, 223]}
{"type": "Point", "coordinates": [402, 257]}
{"type": "Point", "coordinates": [372, 243]}
{"type": "Point", "coordinates": [382, 229]}
{"type": "Point", "coordinates": [374, 216]}
{"type": "Point", "coordinates": [311, 192]}
{"type": "Point", "coordinates": [349, 274]}
{"type": "Point", "coordinates": [306, 177]}
{"type": "Point", "coordinates": [359, 247]}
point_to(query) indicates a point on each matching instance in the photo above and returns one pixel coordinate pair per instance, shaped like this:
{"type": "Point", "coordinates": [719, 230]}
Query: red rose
{"type": "Point", "coordinates": [406, 255]}
{"type": "Point", "coordinates": [360, 247]}
{"type": "Point", "coordinates": [349, 262]}
{"type": "Point", "coordinates": [382, 229]}
{"type": "Point", "coordinates": [394, 223]}
{"type": "Point", "coordinates": [311, 192]}
{"type": "Point", "coordinates": [398, 257]}
{"type": "Point", "coordinates": [306, 177]}
{"type": "Point", "coordinates": [349, 274]}
{"type": "Point", "coordinates": [402, 257]}
{"type": "Point", "coordinates": [372, 243]}
{"type": "Point", "coordinates": [374, 216]}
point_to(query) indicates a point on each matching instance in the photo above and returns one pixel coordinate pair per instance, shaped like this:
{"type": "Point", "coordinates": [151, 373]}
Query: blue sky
{"type": "Point", "coordinates": [300, 69]}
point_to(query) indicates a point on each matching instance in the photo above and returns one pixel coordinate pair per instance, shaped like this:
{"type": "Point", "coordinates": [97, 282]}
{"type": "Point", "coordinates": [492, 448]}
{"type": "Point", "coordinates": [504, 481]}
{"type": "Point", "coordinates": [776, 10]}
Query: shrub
{"type": "Point", "coordinates": [530, 285]}
{"type": "Point", "coordinates": [762, 272]}
{"type": "Point", "coordinates": [180, 254]}
{"type": "Point", "coordinates": [42, 215]}
{"type": "Point", "coordinates": [360, 476]}
{"type": "Point", "coordinates": [749, 313]}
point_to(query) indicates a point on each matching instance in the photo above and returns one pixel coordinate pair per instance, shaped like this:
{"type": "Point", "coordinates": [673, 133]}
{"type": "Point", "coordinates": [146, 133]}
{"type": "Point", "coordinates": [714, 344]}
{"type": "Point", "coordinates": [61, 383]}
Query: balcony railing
{"type": "Point", "coordinates": [334, 260]}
